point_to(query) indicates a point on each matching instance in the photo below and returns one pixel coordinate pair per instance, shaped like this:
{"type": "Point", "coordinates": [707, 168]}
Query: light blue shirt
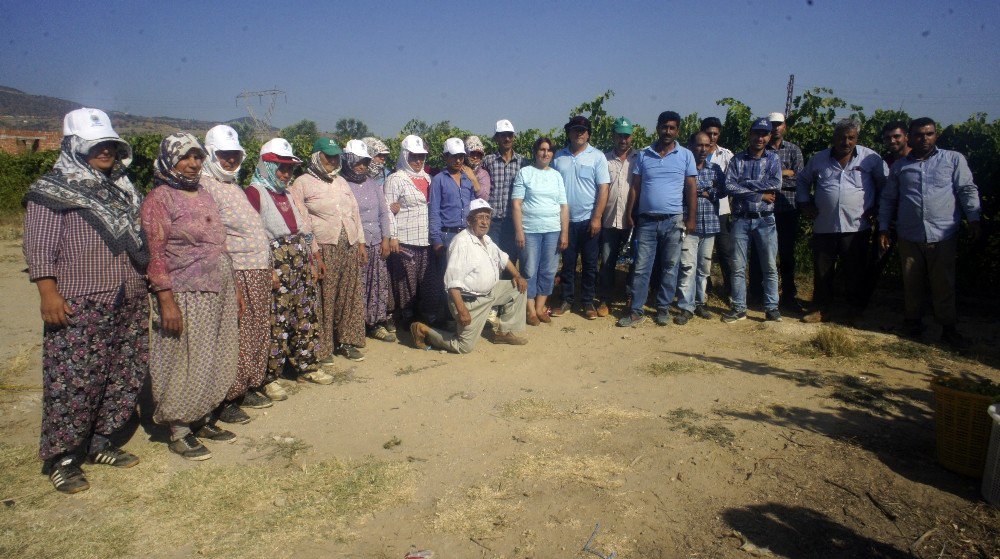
{"type": "Point", "coordinates": [843, 195]}
{"type": "Point", "coordinates": [581, 174]}
{"type": "Point", "coordinates": [543, 193]}
{"type": "Point", "coordinates": [926, 197]}
{"type": "Point", "coordinates": [662, 190]}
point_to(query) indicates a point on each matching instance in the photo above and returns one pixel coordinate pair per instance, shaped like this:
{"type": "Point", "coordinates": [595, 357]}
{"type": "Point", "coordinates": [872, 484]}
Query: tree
{"type": "Point", "coordinates": [736, 126]}
{"type": "Point", "coordinates": [350, 129]}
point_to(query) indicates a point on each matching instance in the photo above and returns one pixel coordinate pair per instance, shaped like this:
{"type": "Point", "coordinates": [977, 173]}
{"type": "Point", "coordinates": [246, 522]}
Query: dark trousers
{"type": "Point", "coordinates": [787, 224]}
{"type": "Point", "coordinates": [724, 256]}
{"type": "Point", "coordinates": [587, 247]}
{"type": "Point", "coordinates": [847, 252]}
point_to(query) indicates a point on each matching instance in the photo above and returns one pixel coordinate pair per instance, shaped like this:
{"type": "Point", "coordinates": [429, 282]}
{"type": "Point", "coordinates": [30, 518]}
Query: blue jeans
{"type": "Point", "coordinates": [540, 259]}
{"type": "Point", "coordinates": [764, 235]}
{"type": "Point", "coordinates": [656, 237]}
{"type": "Point", "coordinates": [502, 233]}
{"type": "Point", "coordinates": [696, 267]}
{"type": "Point", "coordinates": [586, 246]}
{"type": "Point", "coordinates": [612, 243]}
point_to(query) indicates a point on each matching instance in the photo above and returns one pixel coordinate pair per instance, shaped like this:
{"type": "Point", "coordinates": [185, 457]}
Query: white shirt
{"type": "Point", "coordinates": [721, 157]}
{"type": "Point", "coordinates": [473, 266]}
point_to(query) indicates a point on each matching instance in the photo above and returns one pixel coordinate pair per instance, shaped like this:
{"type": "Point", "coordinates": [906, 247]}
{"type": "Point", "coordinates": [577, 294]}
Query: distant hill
{"type": "Point", "coordinates": [25, 111]}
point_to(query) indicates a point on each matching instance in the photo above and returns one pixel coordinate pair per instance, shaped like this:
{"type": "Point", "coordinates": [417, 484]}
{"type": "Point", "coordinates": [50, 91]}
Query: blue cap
{"type": "Point", "coordinates": [761, 124]}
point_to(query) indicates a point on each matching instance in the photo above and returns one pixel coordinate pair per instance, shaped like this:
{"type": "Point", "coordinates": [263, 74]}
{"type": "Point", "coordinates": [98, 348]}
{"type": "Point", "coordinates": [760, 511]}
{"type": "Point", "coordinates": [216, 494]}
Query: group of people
{"type": "Point", "coordinates": [217, 290]}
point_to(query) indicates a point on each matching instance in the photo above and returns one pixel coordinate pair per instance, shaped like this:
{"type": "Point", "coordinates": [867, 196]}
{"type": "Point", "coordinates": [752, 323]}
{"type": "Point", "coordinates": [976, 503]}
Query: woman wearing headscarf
{"type": "Point", "coordinates": [411, 270]}
{"type": "Point", "coordinates": [377, 169]}
{"type": "Point", "coordinates": [336, 224]}
{"type": "Point", "coordinates": [86, 254]}
{"type": "Point", "coordinates": [295, 324]}
{"type": "Point", "coordinates": [475, 151]}
{"type": "Point", "coordinates": [194, 343]}
{"type": "Point", "coordinates": [247, 246]}
{"type": "Point", "coordinates": [379, 238]}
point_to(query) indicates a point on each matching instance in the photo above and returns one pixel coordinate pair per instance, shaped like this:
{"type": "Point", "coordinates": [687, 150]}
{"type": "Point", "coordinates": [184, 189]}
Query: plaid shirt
{"type": "Point", "coordinates": [63, 246]}
{"type": "Point", "coordinates": [502, 176]}
{"type": "Point", "coordinates": [711, 179]}
{"type": "Point", "coordinates": [410, 224]}
{"type": "Point", "coordinates": [791, 158]}
{"type": "Point", "coordinates": [747, 179]}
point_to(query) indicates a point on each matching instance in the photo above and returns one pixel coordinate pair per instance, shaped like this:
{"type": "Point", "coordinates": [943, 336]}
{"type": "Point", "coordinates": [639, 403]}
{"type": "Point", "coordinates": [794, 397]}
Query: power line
{"type": "Point", "coordinates": [262, 123]}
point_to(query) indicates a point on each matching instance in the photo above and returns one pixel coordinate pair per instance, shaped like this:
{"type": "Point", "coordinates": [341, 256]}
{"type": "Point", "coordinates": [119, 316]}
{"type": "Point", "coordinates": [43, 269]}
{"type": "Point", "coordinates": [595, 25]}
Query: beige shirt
{"type": "Point", "coordinates": [473, 265]}
{"type": "Point", "coordinates": [331, 207]}
{"type": "Point", "coordinates": [721, 157]}
{"type": "Point", "coordinates": [621, 173]}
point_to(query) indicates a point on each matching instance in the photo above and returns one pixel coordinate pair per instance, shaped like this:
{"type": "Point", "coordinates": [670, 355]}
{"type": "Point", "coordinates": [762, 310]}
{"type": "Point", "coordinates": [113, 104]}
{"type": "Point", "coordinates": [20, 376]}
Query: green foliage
{"type": "Point", "coordinates": [810, 124]}
{"type": "Point", "coordinates": [736, 125]}
{"type": "Point", "coordinates": [145, 150]}
{"type": "Point", "coordinates": [350, 129]}
{"type": "Point", "coordinates": [17, 172]}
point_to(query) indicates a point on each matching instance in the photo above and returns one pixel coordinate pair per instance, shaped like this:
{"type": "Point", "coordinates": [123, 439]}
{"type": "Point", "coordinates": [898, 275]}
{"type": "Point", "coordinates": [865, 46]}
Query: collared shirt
{"type": "Point", "coordinates": [448, 204]}
{"type": "Point", "coordinates": [843, 195]}
{"type": "Point", "coordinates": [791, 158]}
{"type": "Point", "coordinates": [582, 173]}
{"type": "Point", "coordinates": [331, 208]}
{"type": "Point", "coordinates": [926, 197]}
{"type": "Point", "coordinates": [543, 196]}
{"type": "Point", "coordinates": [410, 223]}
{"type": "Point", "coordinates": [748, 178]}
{"type": "Point", "coordinates": [662, 190]}
{"type": "Point", "coordinates": [711, 179]}
{"type": "Point", "coordinates": [373, 210]}
{"type": "Point", "coordinates": [502, 174]}
{"type": "Point", "coordinates": [721, 157]}
{"type": "Point", "coordinates": [621, 177]}
{"type": "Point", "coordinates": [246, 239]}
{"type": "Point", "coordinates": [63, 246]}
{"type": "Point", "coordinates": [473, 265]}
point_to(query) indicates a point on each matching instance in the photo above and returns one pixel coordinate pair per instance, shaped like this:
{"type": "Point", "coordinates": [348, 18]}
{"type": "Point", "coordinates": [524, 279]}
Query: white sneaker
{"type": "Point", "coordinates": [275, 391]}
{"type": "Point", "coordinates": [318, 377]}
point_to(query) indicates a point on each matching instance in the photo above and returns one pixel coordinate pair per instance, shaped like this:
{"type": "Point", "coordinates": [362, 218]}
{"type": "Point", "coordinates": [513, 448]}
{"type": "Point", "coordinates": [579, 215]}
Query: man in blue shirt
{"type": "Point", "coordinates": [838, 189]}
{"type": "Point", "coordinates": [753, 180]}
{"type": "Point", "coordinates": [585, 173]}
{"type": "Point", "coordinates": [928, 191]}
{"type": "Point", "coordinates": [451, 191]}
{"type": "Point", "coordinates": [664, 194]}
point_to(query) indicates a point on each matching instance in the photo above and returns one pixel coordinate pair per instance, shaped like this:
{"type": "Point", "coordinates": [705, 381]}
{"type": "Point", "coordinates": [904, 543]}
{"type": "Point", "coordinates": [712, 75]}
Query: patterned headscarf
{"type": "Point", "coordinates": [109, 203]}
{"type": "Point", "coordinates": [266, 175]}
{"type": "Point", "coordinates": [473, 143]}
{"type": "Point", "coordinates": [375, 147]}
{"type": "Point", "coordinates": [317, 167]}
{"type": "Point", "coordinates": [349, 160]}
{"type": "Point", "coordinates": [173, 148]}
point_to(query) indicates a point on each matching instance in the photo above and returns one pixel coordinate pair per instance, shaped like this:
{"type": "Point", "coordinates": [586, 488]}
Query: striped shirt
{"type": "Point", "coordinates": [502, 176]}
{"type": "Point", "coordinates": [748, 178]}
{"type": "Point", "coordinates": [63, 246]}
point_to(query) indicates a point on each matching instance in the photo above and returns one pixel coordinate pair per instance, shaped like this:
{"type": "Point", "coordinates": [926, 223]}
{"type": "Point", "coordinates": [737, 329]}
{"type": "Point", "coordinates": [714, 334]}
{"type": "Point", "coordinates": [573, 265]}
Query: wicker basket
{"type": "Point", "coordinates": [962, 429]}
{"type": "Point", "coordinates": [991, 474]}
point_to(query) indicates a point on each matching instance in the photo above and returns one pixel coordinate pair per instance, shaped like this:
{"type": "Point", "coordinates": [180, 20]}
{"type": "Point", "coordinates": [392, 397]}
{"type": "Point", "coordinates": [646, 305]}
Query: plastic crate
{"type": "Point", "coordinates": [962, 429]}
{"type": "Point", "coordinates": [991, 473]}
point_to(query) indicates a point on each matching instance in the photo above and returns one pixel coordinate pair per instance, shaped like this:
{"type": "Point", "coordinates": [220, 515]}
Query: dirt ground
{"type": "Point", "coordinates": [707, 440]}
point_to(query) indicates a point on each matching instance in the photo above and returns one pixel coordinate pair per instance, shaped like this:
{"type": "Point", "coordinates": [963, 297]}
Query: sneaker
{"type": "Point", "coordinates": [632, 320]}
{"type": "Point", "coordinates": [814, 317]}
{"type": "Point", "coordinates": [390, 326]}
{"type": "Point", "coordinates": [683, 318]}
{"type": "Point", "coordinates": [590, 312]}
{"type": "Point", "coordinates": [231, 413]}
{"type": "Point", "coordinates": [562, 309]}
{"type": "Point", "coordinates": [419, 331]}
{"type": "Point", "coordinates": [67, 477]}
{"type": "Point", "coordinates": [382, 333]}
{"type": "Point", "coordinates": [316, 377]}
{"type": "Point", "coordinates": [602, 310]}
{"type": "Point", "coordinates": [255, 399]}
{"type": "Point", "coordinates": [701, 312]}
{"type": "Point", "coordinates": [350, 352]}
{"type": "Point", "coordinates": [275, 391]}
{"type": "Point", "coordinates": [509, 338]}
{"type": "Point", "coordinates": [190, 447]}
{"type": "Point", "coordinates": [733, 316]}
{"type": "Point", "coordinates": [662, 317]}
{"type": "Point", "coordinates": [329, 360]}
{"type": "Point", "coordinates": [113, 456]}
{"type": "Point", "coordinates": [952, 338]}
{"type": "Point", "coordinates": [212, 432]}
{"type": "Point", "coordinates": [772, 315]}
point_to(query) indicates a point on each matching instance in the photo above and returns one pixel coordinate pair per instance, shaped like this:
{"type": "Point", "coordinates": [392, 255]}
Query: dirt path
{"type": "Point", "coordinates": [707, 440]}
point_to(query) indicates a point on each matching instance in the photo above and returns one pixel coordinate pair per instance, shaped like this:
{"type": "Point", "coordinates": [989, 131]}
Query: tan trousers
{"type": "Point", "coordinates": [511, 316]}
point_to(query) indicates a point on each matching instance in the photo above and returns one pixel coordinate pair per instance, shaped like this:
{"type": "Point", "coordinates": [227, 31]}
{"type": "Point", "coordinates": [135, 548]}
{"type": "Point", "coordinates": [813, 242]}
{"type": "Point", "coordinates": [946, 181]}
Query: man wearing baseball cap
{"type": "Point", "coordinates": [753, 179]}
{"type": "Point", "coordinates": [502, 168]}
{"type": "Point", "coordinates": [472, 280]}
{"type": "Point", "coordinates": [614, 226]}
{"type": "Point", "coordinates": [585, 174]}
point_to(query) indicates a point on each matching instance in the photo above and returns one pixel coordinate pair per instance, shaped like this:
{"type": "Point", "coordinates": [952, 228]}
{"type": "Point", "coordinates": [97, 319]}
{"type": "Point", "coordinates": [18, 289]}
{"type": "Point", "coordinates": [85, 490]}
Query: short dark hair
{"type": "Point", "coordinates": [668, 116]}
{"type": "Point", "coordinates": [890, 126]}
{"type": "Point", "coordinates": [711, 122]}
{"type": "Point", "coordinates": [921, 122]}
{"type": "Point", "coordinates": [538, 143]}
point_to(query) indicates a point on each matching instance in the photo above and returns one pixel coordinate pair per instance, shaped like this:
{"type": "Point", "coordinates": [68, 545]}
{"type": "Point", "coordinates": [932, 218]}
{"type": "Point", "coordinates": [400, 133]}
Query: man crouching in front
{"type": "Point", "coordinates": [472, 279]}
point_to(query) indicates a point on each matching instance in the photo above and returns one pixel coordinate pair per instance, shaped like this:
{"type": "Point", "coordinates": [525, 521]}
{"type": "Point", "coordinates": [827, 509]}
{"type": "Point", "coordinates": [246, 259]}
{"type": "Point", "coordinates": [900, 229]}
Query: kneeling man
{"type": "Point", "coordinates": [472, 279]}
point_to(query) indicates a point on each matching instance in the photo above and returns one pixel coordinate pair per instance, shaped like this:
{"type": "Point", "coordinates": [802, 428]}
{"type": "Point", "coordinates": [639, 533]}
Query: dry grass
{"type": "Point", "coordinates": [673, 368]}
{"type": "Point", "coordinates": [16, 366]}
{"type": "Point", "coordinates": [536, 409]}
{"type": "Point", "coordinates": [689, 421]}
{"type": "Point", "coordinates": [273, 447]}
{"type": "Point", "coordinates": [240, 510]}
{"type": "Point", "coordinates": [11, 226]}
{"type": "Point", "coordinates": [830, 341]}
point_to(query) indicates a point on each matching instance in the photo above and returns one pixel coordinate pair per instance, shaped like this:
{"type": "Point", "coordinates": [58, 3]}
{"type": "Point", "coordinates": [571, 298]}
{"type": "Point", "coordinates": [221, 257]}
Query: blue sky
{"type": "Point", "coordinates": [472, 63]}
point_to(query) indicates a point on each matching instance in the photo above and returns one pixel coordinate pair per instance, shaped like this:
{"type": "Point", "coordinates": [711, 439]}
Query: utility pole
{"type": "Point", "coordinates": [788, 98]}
{"type": "Point", "coordinates": [262, 123]}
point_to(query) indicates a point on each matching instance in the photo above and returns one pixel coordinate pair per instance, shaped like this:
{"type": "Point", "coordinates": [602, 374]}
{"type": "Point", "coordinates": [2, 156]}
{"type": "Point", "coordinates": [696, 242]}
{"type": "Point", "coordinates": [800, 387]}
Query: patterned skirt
{"type": "Point", "coordinates": [343, 308]}
{"type": "Point", "coordinates": [294, 319]}
{"type": "Point", "coordinates": [92, 372]}
{"type": "Point", "coordinates": [254, 330]}
{"type": "Point", "coordinates": [375, 279]}
{"type": "Point", "coordinates": [193, 371]}
{"type": "Point", "coordinates": [415, 283]}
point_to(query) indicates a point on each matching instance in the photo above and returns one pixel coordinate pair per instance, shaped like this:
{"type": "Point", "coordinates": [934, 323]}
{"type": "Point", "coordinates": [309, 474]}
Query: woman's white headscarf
{"type": "Point", "coordinates": [221, 138]}
{"type": "Point", "coordinates": [409, 143]}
